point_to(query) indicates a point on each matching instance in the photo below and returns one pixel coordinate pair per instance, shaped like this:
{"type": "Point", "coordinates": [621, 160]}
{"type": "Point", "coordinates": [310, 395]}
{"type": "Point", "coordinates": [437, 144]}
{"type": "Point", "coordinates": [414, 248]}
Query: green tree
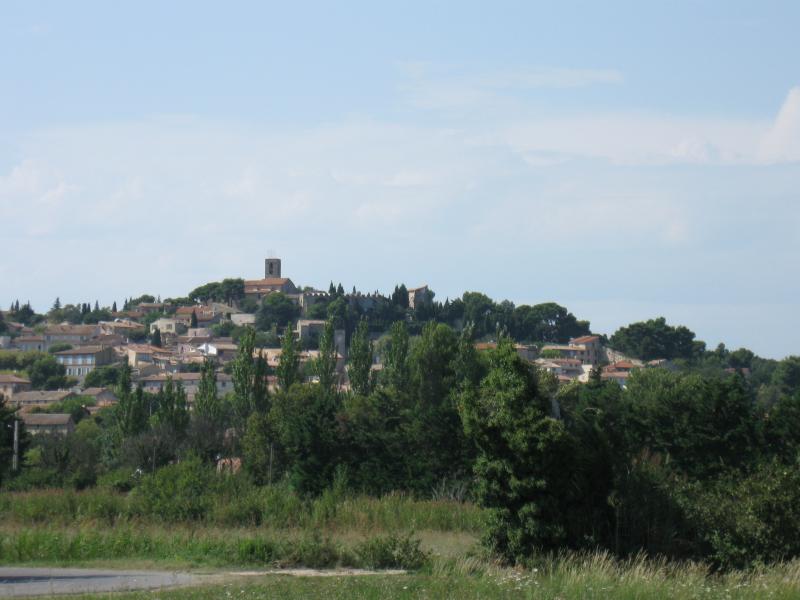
{"type": "Point", "coordinates": [395, 360]}
{"type": "Point", "coordinates": [361, 357]}
{"type": "Point", "coordinates": [172, 410]}
{"type": "Point", "coordinates": [288, 370]}
{"type": "Point", "coordinates": [207, 403]}
{"type": "Point", "coordinates": [324, 365]}
{"type": "Point", "coordinates": [249, 374]}
{"type": "Point", "coordinates": [7, 417]}
{"type": "Point", "coordinates": [193, 321]}
{"type": "Point", "coordinates": [524, 460]}
{"type": "Point", "coordinates": [787, 375]}
{"type": "Point", "coordinates": [46, 374]}
{"type": "Point", "coordinates": [277, 310]}
{"type": "Point", "coordinates": [652, 339]}
{"type": "Point", "coordinates": [304, 418]}
{"type": "Point", "coordinates": [155, 338]}
{"type": "Point", "coordinates": [131, 411]}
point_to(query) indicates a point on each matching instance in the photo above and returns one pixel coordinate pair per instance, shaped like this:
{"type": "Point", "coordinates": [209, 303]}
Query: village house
{"type": "Point", "coordinates": [143, 354]}
{"type": "Point", "coordinates": [240, 319]}
{"type": "Point", "coordinates": [11, 384]}
{"type": "Point", "coordinates": [528, 353]}
{"type": "Point", "coordinates": [309, 328]}
{"type": "Point", "coordinates": [206, 315]}
{"type": "Point", "coordinates": [190, 382]}
{"type": "Point", "coordinates": [75, 335]}
{"type": "Point", "coordinates": [419, 296]}
{"type": "Point", "coordinates": [58, 423]}
{"type": "Point", "coordinates": [166, 325]}
{"type": "Point", "coordinates": [28, 343]}
{"type": "Point", "coordinates": [222, 351]}
{"type": "Point", "coordinates": [586, 349]}
{"type": "Point", "coordinates": [81, 361]}
{"type": "Point", "coordinates": [28, 400]}
{"type": "Point", "coordinates": [100, 395]}
{"type": "Point", "coordinates": [145, 308]}
{"type": "Point", "coordinates": [120, 327]}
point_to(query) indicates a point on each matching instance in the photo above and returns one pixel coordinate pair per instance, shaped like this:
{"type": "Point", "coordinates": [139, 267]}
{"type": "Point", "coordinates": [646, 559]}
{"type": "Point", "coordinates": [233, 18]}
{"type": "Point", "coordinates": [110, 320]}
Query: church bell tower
{"type": "Point", "coordinates": [272, 268]}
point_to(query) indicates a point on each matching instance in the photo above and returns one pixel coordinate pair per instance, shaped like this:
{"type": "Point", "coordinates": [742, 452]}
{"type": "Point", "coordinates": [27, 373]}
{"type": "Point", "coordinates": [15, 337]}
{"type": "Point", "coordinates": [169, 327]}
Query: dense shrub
{"type": "Point", "coordinates": [174, 493]}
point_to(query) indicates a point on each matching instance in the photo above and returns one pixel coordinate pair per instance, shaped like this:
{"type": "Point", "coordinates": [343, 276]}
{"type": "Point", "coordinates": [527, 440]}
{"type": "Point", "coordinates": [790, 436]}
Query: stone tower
{"type": "Point", "coordinates": [272, 268]}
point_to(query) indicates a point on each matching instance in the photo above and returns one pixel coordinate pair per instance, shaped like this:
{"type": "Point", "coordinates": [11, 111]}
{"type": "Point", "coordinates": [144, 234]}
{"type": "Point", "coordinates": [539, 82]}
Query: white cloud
{"type": "Point", "coordinates": [782, 142]}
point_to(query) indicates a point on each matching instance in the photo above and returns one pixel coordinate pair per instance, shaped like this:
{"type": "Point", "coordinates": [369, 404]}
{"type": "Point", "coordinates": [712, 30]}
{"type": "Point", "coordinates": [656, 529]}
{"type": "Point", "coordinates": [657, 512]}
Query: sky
{"type": "Point", "coordinates": [627, 160]}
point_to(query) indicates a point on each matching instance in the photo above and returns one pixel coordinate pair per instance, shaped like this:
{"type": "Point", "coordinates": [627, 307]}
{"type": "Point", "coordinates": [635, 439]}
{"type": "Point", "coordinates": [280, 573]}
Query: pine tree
{"type": "Point", "coordinates": [114, 307]}
{"type": "Point", "coordinates": [332, 289]}
{"type": "Point", "coordinates": [340, 290]}
{"type": "Point", "coordinates": [193, 323]}
{"type": "Point", "coordinates": [155, 338]}
{"type": "Point", "coordinates": [57, 304]}
{"type": "Point", "coordinates": [96, 306]}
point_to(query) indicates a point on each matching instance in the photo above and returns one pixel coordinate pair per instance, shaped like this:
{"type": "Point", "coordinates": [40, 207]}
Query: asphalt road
{"type": "Point", "coordinates": [17, 582]}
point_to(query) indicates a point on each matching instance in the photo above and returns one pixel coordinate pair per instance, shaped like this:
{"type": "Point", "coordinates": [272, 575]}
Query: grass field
{"type": "Point", "coordinates": [588, 577]}
{"type": "Point", "coordinates": [437, 541]}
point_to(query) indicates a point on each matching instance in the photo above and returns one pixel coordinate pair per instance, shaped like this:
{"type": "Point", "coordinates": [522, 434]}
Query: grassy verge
{"type": "Point", "coordinates": [585, 577]}
{"type": "Point", "coordinates": [240, 505]}
{"type": "Point", "coordinates": [202, 547]}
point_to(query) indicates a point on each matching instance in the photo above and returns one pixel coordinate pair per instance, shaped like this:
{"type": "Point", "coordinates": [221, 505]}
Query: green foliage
{"type": "Point", "coordinates": [106, 376]}
{"type": "Point", "coordinates": [155, 338]}
{"type": "Point", "coordinates": [392, 551]}
{"type": "Point", "coordinates": [324, 365]}
{"type": "Point", "coordinates": [548, 322]}
{"type": "Point", "coordinates": [277, 310]}
{"type": "Point", "coordinates": [744, 521]}
{"type": "Point", "coordinates": [46, 374]}
{"type": "Point", "coordinates": [654, 339]}
{"type": "Point", "coordinates": [288, 371]}
{"type": "Point", "coordinates": [59, 348]}
{"type": "Point", "coordinates": [7, 417]}
{"type": "Point", "coordinates": [207, 403]}
{"type": "Point", "coordinates": [395, 359]}
{"type": "Point", "coordinates": [249, 381]}
{"type": "Point", "coordinates": [525, 457]}
{"type": "Point", "coordinates": [172, 409]}
{"type": "Point", "coordinates": [132, 410]}
{"type": "Point", "coordinates": [174, 493]}
{"type": "Point", "coordinates": [361, 358]}
{"type": "Point", "coordinates": [227, 290]}
{"type": "Point", "coordinates": [304, 421]}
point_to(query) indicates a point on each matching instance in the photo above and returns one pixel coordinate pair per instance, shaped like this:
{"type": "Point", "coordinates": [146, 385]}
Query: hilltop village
{"type": "Point", "coordinates": [80, 347]}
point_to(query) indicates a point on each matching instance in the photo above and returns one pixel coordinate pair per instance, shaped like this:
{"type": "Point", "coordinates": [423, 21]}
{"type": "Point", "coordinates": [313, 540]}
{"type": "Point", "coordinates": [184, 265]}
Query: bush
{"type": "Point", "coordinates": [174, 493]}
{"type": "Point", "coordinates": [391, 552]}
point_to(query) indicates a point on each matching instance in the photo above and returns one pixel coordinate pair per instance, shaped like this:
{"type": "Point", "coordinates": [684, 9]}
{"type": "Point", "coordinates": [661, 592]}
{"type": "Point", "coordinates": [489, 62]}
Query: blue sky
{"type": "Point", "coordinates": [625, 159]}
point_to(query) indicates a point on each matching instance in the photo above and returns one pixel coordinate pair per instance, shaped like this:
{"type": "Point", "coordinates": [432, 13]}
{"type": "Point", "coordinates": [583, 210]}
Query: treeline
{"type": "Point", "coordinates": [683, 464]}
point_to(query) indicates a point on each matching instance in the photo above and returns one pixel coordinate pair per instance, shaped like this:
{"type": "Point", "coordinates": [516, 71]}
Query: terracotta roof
{"type": "Point", "coordinates": [268, 281]}
{"type": "Point", "coordinates": [71, 329]}
{"type": "Point", "coordinates": [11, 378]}
{"type": "Point", "coordinates": [584, 339]}
{"type": "Point", "coordinates": [46, 418]}
{"type": "Point", "coordinates": [94, 391]}
{"type": "Point", "coordinates": [184, 377]}
{"type": "Point", "coordinates": [147, 349]}
{"type": "Point", "coordinates": [42, 396]}
{"type": "Point", "coordinates": [29, 338]}
{"type": "Point", "coordinates": [81, 350]}
{"type": "Point", "coordinates": [620, 365]}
